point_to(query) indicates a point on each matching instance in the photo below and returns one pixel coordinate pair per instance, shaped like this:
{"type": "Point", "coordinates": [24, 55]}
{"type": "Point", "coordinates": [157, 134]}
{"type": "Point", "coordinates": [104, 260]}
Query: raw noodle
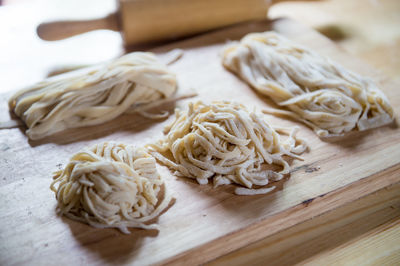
{"type": "Point", "coordinates": [111, 185]}
{"type": "Point", "coordinates": [317, 91]}
{"type": "Point", "coordinates": [93, 95]}
{"type": "Point", "coordinates": [225, 142]}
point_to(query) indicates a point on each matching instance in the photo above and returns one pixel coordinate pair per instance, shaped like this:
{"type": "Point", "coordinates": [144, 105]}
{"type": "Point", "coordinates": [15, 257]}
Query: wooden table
{"type": "Point", "coordinates": [363, 231]}
{"type": "Point", "coordinates": [370, 30]}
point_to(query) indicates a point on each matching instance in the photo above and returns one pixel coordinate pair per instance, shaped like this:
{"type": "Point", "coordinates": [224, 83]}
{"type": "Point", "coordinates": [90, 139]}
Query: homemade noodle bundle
{"type": "Point", "coordinates": [111, 185]}
{"type": "Point", "coordinates": [317, 91]}
{"type": "Point", "coordinates": [93, 95]}
{"type": "Point", "coordinates": [225, 142]}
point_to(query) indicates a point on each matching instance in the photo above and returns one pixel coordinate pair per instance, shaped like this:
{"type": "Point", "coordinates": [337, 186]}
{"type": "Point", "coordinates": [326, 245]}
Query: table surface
{"type": "Point", "coordinates": [367, 29]}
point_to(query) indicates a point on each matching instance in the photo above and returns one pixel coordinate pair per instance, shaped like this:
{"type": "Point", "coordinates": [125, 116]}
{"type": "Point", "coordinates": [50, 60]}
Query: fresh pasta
{"type": "Point", "coordinates": [315, 90]}
{"type": "Point", "coordinates": [226, 142]}
{"type": "Point", "coordinates": [111, 185]}
{"type": "Point", "coordinates": [93, 95]}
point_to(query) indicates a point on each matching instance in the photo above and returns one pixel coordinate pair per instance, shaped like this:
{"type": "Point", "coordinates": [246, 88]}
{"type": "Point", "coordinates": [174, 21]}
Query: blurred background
{"type": "Point", "coordinates": [367, 29]}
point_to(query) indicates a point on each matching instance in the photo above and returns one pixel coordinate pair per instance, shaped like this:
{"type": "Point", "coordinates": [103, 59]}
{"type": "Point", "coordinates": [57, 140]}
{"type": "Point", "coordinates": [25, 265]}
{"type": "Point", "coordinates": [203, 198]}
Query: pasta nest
{"type": "Point", "coordinates": [93, 95]}
{"type": "Point", "coordinates": [111, 185]}
{"type": "Point", "coordinates": [226, 142]}
{"type": "Point", "coordinates": [316, 91]}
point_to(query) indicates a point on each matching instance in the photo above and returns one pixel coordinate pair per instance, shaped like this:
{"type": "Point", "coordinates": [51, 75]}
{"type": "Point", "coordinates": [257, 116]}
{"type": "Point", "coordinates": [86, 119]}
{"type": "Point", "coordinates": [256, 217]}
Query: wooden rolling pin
{"type": "Point", "coordinates": [143, 21]}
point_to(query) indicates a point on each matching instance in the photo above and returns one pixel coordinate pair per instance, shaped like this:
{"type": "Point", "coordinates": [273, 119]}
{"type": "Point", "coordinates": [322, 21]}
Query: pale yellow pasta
{"type": "Point", "coordinates": [315, 90]}
{"type": "Point", "coordinates": [93, 95]}
{"type": "Point", "coordinates": [111, 185]}
{"type": "Point", "coordinates": [227, 143]}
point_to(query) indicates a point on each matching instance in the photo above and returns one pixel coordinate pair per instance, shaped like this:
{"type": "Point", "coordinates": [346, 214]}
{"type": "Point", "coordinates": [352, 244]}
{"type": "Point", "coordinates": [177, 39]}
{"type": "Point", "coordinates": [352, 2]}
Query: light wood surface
{"type": "Point", "coordinates": [344, 236]}
{"type": "Point", "coordinates": [204, 223]}
{"type": "Point", "coordinates": [379, 246]}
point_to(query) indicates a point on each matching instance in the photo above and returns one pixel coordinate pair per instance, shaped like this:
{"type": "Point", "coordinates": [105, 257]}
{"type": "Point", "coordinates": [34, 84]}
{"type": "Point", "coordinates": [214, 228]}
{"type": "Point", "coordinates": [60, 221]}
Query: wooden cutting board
{"type": "Point", "coordinates": [204, 223]}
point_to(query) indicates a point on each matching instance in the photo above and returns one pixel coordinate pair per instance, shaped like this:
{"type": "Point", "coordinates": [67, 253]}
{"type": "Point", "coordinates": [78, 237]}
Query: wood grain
{"type": "Point", "coordinates": [380, 246]}
{"type": "Point", "coordinates": [204, 223]}
{"type": "Point", "coordinates": [325, 235]}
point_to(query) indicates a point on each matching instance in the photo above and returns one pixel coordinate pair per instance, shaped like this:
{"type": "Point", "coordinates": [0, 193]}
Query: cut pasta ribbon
{"type": "Point", "coordinates": [315, 90]}
{"type": "Point", "coordinates": [93, 95]}
{"type": "Point", "coordinates": [225, 142]}
{"type": "Point", "coordinates": [111, 185]}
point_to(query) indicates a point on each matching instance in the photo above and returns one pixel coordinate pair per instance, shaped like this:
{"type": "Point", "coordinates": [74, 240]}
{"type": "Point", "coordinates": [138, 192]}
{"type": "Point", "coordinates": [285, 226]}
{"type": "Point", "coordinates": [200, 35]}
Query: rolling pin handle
{"type": "Point", "coordinates": [58, 30]}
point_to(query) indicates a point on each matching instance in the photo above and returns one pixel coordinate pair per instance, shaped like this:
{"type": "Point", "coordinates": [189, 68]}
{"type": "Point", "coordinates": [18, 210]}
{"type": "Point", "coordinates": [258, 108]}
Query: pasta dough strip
{"type": "Point", "coordinates": [111, 185]}
{"type": "Point", "coordinates": [93, 95]}
{"type": "Point", "coordinates": [226, 142]}
{"type": "Point", "coordinates": [315, 90]}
